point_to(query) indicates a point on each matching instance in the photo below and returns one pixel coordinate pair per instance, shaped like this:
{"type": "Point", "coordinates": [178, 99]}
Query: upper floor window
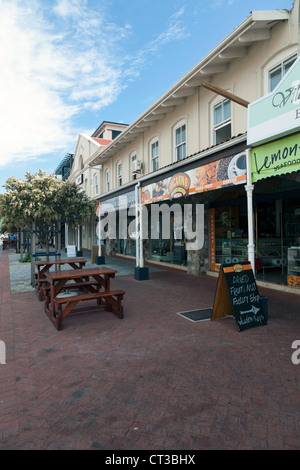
{"type": "Point", "coordinates": [96, 183]}
{"type": "Point", "coordinates": [277, 73]}
{"type": "Point", "coordinates": [107, 180]}
{"type": "Point", "coordinates": [180, 142]}
{"type": "Point", "coordinates": [119, 174]}
{"type": "Point", "coordinates": [222, 121]}
{"type": "Point", "coordinates": [154, 155]}
{"type": "Point", "coordinates": [114, 134]}
{"type": "Point", "coordinates": [132, 165]}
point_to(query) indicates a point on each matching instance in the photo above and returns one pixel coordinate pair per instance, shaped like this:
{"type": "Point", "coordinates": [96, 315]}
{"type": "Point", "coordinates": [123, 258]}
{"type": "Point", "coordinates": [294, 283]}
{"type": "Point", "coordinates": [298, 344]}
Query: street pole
{"type": "Point", "coordinates": [249, 189]}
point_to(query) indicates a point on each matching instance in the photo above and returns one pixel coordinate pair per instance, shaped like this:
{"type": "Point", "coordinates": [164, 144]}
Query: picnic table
{"type": "Point", "coordinates": [44, 266]}
{"type": "Point", "coordinates": [9, 243]}
{"type": "Point", "coordinates": [92, 283]}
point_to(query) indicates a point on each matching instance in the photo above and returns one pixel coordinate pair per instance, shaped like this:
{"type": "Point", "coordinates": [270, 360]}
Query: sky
{"type": "Point", "coordinates": [69, 65]}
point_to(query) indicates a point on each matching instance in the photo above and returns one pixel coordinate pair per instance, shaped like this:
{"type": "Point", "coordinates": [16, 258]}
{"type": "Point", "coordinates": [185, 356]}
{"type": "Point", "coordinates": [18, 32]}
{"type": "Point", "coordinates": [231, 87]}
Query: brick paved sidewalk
{"type": "Point", "coordinates": [153, 380]}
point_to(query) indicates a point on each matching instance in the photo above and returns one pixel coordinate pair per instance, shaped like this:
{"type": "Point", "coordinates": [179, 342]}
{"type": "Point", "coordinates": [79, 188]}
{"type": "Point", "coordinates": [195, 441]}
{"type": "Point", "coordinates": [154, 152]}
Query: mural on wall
{"type": "Point", "coordinates": [222, 173]}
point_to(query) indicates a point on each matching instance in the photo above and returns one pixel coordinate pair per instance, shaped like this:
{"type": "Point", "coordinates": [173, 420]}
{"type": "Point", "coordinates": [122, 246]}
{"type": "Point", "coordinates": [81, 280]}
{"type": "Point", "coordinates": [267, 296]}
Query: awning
{"type": "Point", "coordinates": [276, 158]}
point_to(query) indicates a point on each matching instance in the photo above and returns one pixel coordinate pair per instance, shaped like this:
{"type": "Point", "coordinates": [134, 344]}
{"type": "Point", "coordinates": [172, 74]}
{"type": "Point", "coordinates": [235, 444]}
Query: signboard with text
{"type": "Point", "coordinates": [276, 158]}
{"type": "Point", "coordinates": [277, 114]}
{"type": "Point", "coordinates": [237, 295]}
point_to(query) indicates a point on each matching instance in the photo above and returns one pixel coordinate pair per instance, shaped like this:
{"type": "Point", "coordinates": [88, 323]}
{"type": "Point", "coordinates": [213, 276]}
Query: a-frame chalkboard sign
{"type": "Point", "coordinates": [237, 295]}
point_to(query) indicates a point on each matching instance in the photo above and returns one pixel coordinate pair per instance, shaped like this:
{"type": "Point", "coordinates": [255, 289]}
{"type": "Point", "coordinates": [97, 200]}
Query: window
{"type": "Point", "coordinates": [222, 121]}
{"type": "Point", "coordinates": [119, 174]}
{"type": "Point", "coordinates": [154, 155]}
{"type": "Point", "coordinates": [277, 73]}
{"type": "Point", "coordinates": [107, 180]}
{"type": "Point", "coordinates": [114, 134]}
{"type": "Point", "coordinates": [96, 184]}
{"type": "Point", "coordinates": [180, 142]}
{"type": "Point", "coordinates": [132, 162]}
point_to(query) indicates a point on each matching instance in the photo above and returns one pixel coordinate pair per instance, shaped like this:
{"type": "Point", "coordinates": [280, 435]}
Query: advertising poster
{"type": "Point", "coordinates": [222, 173]}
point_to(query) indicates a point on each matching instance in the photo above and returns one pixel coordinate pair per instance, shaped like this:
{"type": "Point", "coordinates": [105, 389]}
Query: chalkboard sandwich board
{"type": "Point", "coordinates": [237, 295]}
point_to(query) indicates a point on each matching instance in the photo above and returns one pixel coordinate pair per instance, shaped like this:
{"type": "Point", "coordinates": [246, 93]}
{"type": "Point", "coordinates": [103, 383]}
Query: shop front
{"type": "Point", "coordinates": [274, 135]}
{"type": "Point", "coordinates": [276, 173]}
{"type": "Point", "coordinates": [179, 197]}
{"type": "Point", "coordinates": [118, 216]}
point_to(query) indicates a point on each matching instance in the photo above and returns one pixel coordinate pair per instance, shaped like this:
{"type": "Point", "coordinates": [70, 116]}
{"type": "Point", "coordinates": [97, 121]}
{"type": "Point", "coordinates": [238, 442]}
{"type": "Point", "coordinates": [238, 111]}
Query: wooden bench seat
{"type": "Point", "coordinates": [45, 289]}
{"type": "Point", "coordinates": [113, 303]}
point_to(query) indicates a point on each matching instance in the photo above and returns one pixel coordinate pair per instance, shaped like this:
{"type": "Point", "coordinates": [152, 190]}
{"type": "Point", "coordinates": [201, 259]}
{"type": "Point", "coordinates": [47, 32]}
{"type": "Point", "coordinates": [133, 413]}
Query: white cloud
{"type": "Point", "coordinates": [174, 31]}
{"type": "Point", "coordinates": [57, 63]}
{"type": "Point", "coordinates": [47, 78]}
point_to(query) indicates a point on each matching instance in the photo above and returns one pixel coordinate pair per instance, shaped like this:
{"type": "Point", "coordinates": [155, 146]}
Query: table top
{"type": "Point", "coordinates": [75, 273]}
{"type": "Point", "coordinates": [61, 261]}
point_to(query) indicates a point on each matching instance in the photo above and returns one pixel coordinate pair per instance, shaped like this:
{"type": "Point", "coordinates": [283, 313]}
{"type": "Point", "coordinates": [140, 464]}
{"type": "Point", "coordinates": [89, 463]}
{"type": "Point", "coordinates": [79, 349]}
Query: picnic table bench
{"type": "Point", "coordinates": [94, 285]}
{"type": "Point", "coordinates": [44, 266]}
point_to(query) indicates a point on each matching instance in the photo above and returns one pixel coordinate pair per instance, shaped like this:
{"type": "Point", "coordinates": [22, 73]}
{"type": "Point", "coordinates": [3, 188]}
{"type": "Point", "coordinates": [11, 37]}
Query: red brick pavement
{"type": "Point", "coordinates": [153, 380]}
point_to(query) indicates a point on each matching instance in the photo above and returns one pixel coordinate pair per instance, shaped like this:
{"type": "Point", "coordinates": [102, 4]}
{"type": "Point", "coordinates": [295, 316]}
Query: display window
{"type": "Point", "coordinates": [231, 239]}
{"type": "Point", "coordinates": [168, 244]}
{"type": "Point", "coordinates": [276, 222]}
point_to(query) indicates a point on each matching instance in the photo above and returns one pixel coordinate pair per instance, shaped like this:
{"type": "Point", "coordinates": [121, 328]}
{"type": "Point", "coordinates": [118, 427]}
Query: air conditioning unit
{"type": "Point", "coordinates": [137, 166]}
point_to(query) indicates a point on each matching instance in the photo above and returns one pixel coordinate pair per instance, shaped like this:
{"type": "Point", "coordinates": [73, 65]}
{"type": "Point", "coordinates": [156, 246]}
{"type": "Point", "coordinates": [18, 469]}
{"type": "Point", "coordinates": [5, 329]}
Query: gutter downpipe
{"type": "Point", "coordinates": [249, 189]}
{"type": "Point", "coordinates": [137, 235]}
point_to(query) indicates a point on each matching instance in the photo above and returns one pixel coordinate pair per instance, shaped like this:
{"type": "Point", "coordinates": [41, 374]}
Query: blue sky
{"type": "Point", "coordinates": [68, 65]}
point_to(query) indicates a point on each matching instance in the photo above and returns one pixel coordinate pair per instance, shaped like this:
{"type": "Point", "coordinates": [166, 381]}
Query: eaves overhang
{"type": "Point", "coordinates": [255, 28]}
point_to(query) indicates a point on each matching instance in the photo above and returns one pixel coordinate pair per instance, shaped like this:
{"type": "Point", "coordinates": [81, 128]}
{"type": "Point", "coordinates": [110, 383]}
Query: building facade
{"type": "Point", "coordinates": [194, 137]}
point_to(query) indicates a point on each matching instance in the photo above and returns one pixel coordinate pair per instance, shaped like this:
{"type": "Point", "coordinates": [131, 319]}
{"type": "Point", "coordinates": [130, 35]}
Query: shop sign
{"type": "Point", "coordinates": [179, 185]}
{"type": "Point", "coordinates": [277, 114]}
{"type": "Point", "coordinates": [276, 158]}
{"type": "Point", "coordinates": [228, 171]}
{"type": "Point", "coordinates": [237, 295]}
{"type": "Point", "coordinates": [71, 251]}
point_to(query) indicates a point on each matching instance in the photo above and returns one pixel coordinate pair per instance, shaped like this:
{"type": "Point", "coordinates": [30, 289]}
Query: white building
{"type": "Point", "coordinates": [201, 122]}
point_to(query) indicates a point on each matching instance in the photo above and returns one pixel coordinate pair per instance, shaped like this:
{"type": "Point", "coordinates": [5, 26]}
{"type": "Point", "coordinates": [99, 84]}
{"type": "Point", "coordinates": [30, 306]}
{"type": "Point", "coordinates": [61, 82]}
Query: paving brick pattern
{"type": "Point", "coordinates": [153, 380]}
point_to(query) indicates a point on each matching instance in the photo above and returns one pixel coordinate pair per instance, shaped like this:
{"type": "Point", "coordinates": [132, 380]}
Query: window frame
{"type": "Point", "coordinates": [132, 158]}
{"type": "Point", "coordinates": [179, 125]}
{"type": "Point", "coordinates": [107, 180]}
{"type": "Point", "coordinates": [224, 122]}
{"type": "Point", "coordinates": [153, 142]}
{"type": "Point", "coordinates": [274, 62]}
{"type": "Point", "coordinates": [119, 175]}
{"type": "Point", "coordinates": [281, 66]}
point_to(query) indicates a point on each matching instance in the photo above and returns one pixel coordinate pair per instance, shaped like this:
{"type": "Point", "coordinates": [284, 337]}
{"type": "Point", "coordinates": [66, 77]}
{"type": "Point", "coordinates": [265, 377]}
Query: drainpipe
{"type": "Point", "coordinates": [249, 189]}
{"type": "Point", "coordinates": [137, 251]}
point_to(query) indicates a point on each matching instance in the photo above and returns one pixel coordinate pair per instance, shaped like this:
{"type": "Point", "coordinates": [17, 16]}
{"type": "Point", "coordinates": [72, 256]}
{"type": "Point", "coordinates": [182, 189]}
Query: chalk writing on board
{"type": "Point", "coordinates": [240, 297]}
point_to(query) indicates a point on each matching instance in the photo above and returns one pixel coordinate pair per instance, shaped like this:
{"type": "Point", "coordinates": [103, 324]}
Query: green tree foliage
{"type": "Point", "coordinates": [44, 200]}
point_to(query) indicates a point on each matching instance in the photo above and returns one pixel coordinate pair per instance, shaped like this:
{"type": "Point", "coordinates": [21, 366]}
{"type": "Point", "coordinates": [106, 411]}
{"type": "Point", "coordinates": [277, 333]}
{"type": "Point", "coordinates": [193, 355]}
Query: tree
{"type": "Point", "coordinates": [41, 201]}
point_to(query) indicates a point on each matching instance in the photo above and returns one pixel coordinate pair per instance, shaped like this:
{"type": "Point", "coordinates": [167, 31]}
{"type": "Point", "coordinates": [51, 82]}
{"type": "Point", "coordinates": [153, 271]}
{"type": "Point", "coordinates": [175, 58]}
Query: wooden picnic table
{"type": "Point", "coordinates": [93, 284]}
{"type": "Point", "coordinates": [44, 266]}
